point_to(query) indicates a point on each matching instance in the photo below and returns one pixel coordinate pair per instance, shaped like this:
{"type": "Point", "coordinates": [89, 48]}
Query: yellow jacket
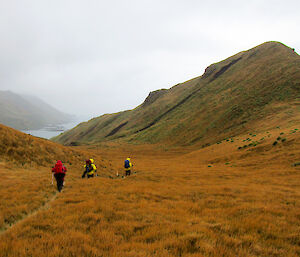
{"type": "Point", "coordinates": [91, 172]}
{"type": "Point", "coordinates": [130, 164]}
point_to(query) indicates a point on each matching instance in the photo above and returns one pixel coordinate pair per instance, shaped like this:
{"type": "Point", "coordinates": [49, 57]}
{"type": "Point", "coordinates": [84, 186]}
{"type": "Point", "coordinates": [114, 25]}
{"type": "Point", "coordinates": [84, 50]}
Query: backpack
{"type": "Point", "coordinates": [58, 168]}
{"type": "Point", "coordinates": [126, 164]}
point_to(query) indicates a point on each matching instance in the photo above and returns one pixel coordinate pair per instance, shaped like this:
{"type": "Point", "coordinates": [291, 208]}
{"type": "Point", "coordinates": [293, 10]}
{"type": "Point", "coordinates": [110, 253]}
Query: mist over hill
{"type": "Point", "coordinates": [255, 89]}
{"type": "Point", "coordinates": [28, 112]}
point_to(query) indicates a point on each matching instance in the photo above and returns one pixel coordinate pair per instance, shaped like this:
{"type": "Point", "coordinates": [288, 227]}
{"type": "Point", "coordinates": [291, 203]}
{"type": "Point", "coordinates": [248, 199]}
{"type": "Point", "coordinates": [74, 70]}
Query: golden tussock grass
{"type": "Point", "coordinates": [27, 151]}
{"type": "Point", "coordinates": [245, 204]}
{"type": "Point", "coordinates": [21, 193]}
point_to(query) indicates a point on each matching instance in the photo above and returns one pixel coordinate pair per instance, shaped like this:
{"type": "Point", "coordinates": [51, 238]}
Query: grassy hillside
{"type": "Point", "coordinates": [217, 201]}
{"type": "Point", "coordinates": [22, 150]}
{"type": "Point", "coordinates": [238, 196]}
{"type": "Point", "coordinates": [228, 99]}
{"type": "Point", "coordinates": [28, 112]}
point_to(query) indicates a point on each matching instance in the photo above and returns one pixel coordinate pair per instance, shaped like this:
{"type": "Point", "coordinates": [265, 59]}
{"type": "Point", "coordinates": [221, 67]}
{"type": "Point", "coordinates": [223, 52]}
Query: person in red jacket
{"type": "Point", "coordinates": [59, 171]}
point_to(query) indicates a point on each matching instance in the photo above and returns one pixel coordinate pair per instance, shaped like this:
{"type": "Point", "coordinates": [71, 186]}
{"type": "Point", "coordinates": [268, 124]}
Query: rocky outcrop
{"type": "Point", "coordinates": [153, 96]}
{"type": "Point", "coordinates": [209, 70]}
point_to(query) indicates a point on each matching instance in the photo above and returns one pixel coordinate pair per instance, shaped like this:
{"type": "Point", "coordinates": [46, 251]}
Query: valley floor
{"type": "Point", "coordinates": [216, 201]}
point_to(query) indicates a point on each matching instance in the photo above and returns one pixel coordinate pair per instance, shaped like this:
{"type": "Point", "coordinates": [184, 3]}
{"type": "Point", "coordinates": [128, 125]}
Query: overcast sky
{"type": "Point", "coordinates": [92, 57]}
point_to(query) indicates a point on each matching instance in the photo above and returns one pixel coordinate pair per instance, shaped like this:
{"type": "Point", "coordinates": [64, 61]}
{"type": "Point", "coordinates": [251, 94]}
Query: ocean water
{"type": "Point", "coordinates": [52, 132]}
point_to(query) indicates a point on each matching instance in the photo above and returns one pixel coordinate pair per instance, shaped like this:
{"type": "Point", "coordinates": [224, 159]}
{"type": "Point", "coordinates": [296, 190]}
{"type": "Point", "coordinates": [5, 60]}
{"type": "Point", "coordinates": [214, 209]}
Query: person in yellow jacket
{"type": "Point", "coordinates": [94, 167]}
{"type": "Point", "coordinates": [89, 169]}
{"type": "Point", "coordinates": [127, 165]}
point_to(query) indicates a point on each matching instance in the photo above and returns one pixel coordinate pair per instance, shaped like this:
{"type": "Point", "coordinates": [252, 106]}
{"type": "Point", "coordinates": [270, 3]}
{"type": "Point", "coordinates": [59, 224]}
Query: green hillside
{"type": "Point", "coordinates": [233, 96]}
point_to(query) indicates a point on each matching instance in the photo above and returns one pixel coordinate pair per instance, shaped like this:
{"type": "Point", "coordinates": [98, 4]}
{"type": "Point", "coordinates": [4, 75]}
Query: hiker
{"type": "Point", "coordinates": [127, 166]}
{"type": "Point", "coordinates": [89, 169]}
{"type": "Point", "coordinates": [59, 171]}
{"type": "Point", "coordinates": [94, 167]}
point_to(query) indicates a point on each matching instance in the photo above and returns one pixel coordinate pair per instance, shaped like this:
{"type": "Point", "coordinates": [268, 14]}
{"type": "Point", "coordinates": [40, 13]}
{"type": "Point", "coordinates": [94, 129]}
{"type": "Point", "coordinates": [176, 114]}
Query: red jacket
{"type": "Point", "coordinates": [59, 168]}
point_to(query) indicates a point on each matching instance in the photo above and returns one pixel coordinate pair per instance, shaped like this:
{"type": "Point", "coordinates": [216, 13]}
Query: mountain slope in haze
{"type": "Point", "coordinates": [28, 112]}
{"type": "Point", "coordinates": [252, 90]}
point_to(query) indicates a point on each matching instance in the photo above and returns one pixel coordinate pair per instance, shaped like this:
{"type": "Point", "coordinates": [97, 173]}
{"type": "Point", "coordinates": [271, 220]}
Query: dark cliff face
{"type": "Point", "coordinates": [153, 96]}
{"type": "Point", "coordinates": [209, 70]}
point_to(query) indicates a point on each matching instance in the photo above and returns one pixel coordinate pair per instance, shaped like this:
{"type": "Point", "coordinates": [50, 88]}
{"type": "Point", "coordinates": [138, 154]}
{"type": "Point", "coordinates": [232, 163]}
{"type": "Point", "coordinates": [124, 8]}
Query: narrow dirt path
{"type": "Point", "coordinates": [45, 206]}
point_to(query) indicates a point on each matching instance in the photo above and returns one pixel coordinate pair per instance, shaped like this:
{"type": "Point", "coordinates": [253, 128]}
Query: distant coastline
{"type": "Point", "coordinates": [52, 130]}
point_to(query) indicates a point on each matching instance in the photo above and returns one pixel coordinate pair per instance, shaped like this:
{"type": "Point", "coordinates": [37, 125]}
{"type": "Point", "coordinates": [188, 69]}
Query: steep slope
{"type": "Point", "coordinates": [231, 97]}
{"type": "Point", "coordinates": [28, 112]}
{"type": "Point", "coordinates": [24, 150]}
